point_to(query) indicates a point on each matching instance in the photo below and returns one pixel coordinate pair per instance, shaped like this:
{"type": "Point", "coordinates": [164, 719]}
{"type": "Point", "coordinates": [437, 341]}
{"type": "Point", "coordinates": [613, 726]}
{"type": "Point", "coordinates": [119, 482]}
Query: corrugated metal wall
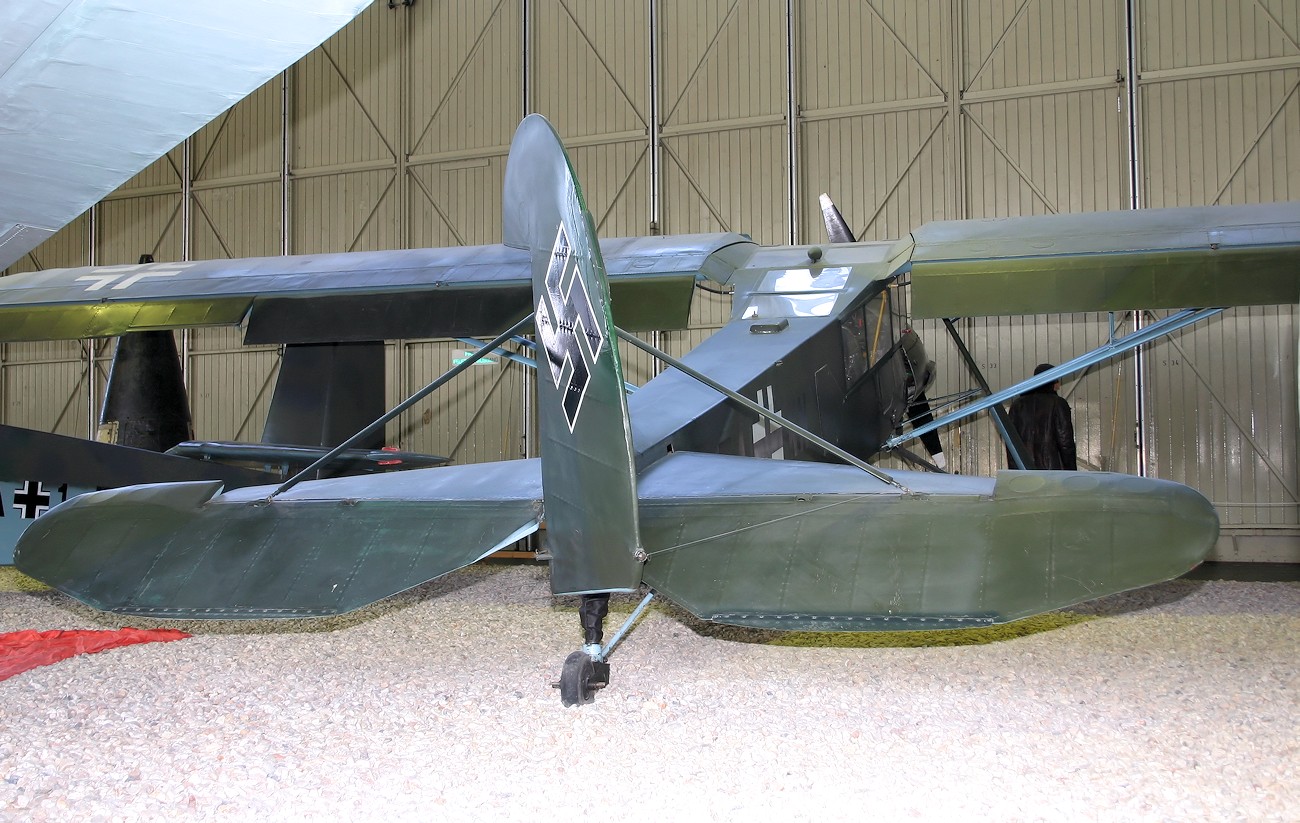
{"type": "Point", "coordinates": [727, 115]}
{"type": "Point", "coordinates": [235, 209]}
{"type": "Point", "coordinates": [464, 96]}
{"type": "Point", "coordinates": [1038, 124]}
{"type": "Point", "coordinates": [1218, 102]}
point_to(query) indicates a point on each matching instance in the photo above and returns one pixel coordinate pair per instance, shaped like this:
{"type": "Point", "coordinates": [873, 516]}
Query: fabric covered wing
{"type": "Point", "coordinates": [1216, 256]}
{"type": "Point", "coordinates": [324, 547]}
{"type": "Point", "coordinates": [383, 295]}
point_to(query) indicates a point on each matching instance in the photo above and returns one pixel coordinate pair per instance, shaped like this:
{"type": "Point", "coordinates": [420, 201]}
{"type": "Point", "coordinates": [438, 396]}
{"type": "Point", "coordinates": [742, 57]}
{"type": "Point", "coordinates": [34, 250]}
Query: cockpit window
{"type": "Point", "coordinates": [868, 334]}
{"type": "Point", "coordinates": [797, 292]}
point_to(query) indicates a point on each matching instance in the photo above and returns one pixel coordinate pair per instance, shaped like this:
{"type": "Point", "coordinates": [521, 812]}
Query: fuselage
{"type": "Point", "coordinates": [815, 342]}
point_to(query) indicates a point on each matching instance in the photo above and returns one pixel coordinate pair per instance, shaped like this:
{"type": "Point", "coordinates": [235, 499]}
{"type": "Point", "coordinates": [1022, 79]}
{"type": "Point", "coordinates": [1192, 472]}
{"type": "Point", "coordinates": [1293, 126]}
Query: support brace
{"type": "Point", "coordinates": [1168, 325]}
{"type": "Point", "coordinates": [627, 626]}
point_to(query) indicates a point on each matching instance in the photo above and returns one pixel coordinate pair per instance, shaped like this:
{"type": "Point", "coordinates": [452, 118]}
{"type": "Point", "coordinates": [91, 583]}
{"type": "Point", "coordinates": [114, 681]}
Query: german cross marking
{"type": "Point", "coordinates": [31, 500]}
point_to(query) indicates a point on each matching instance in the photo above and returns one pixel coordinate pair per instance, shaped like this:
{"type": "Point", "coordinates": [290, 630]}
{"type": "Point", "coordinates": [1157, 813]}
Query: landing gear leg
{"type": "Point", "coordinates": [586, 671]}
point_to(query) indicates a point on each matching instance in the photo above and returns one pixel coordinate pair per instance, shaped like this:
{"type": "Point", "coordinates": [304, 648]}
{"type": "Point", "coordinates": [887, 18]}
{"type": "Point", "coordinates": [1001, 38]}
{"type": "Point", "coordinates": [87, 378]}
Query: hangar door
{"type": "Point", "coordinates": [1219, 123]}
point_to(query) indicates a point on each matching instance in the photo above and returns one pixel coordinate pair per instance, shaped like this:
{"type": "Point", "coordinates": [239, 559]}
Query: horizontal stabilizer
{"type": "Point", "coordinates": [324, 547]}
{"type": "Point", "coordinates": [39, 470]}
{"type": "Point", "coordinates": [1216, 256]}
{"type": "Point", "coordinates": [790, 545]}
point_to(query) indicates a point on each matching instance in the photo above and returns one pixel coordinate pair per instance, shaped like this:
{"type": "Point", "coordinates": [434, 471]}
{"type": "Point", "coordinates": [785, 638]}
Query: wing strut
{"type": "Point", "coordinates": [1011, 437]}
{"type": "Point", "coordinates": [1170, 324]}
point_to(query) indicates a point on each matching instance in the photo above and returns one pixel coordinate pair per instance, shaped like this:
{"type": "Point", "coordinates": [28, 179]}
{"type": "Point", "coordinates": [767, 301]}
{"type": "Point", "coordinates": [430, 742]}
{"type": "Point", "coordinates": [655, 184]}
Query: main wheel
{"type": "Point", "coordinates": [576, 687]}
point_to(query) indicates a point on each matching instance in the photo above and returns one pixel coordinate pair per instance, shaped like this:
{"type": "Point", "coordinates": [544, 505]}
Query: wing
{"type": "Point", "coordinates": [324, 547]}
{"type": "Point", "coordinates": [92, 91]}
{"type": "Point", "coordinates": [414, 293]}
{"type": "Point", "coordinates": [1107, 261]}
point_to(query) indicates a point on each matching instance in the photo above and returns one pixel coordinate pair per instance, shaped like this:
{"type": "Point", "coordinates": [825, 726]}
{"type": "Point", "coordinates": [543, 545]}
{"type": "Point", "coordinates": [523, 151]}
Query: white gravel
{"type": "Point", "coordinates": [1177, 702]}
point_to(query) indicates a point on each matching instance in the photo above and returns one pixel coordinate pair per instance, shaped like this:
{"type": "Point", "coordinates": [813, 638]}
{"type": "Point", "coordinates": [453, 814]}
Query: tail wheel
{"type": "Point", "coordinates": [577, 687]}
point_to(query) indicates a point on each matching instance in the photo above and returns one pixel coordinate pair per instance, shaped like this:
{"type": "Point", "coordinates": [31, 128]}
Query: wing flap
{"type": "Point", "coordinates": [111, 319]}
{"type": "Point", "coordinates": [1108, 261]}
{"type": "Point", "coordinates": [328, 547]}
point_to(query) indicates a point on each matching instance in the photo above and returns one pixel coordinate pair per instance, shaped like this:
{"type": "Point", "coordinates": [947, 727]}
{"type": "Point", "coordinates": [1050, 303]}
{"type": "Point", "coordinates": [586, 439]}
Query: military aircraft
{"type": "Point", "coordinates": [672, 489]}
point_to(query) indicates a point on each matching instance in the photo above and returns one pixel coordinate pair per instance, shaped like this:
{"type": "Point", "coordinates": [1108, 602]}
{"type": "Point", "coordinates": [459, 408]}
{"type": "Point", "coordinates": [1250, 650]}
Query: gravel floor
{"type": "Point", "coordinates": [1176, 702]}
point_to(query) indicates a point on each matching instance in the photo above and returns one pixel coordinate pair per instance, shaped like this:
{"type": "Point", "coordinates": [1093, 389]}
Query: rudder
{"type": "Point", "coordinates": [588, 470]}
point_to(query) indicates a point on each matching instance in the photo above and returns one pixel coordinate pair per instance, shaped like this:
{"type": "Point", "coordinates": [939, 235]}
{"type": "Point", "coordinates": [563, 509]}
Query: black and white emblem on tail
{"type": "Point", "coordinates": [568, 328]}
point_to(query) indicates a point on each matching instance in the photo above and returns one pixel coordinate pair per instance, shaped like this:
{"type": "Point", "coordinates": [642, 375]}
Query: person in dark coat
{"type": "Point", "coordinates": [1042, 417]}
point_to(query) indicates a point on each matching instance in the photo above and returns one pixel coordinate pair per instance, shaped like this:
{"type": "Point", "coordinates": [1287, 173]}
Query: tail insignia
{"type": "Point", "coordinates": [568, 328]}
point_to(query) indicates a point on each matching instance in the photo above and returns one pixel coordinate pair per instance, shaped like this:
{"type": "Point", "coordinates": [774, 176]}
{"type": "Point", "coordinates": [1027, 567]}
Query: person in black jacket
{"type": "Point", "coordinates": [1042, 417]}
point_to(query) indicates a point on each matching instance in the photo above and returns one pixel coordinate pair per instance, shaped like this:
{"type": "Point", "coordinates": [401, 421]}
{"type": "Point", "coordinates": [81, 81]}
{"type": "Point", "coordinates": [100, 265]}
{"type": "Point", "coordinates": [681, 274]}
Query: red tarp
{"type": "Point", "coordinates": [20, 651]}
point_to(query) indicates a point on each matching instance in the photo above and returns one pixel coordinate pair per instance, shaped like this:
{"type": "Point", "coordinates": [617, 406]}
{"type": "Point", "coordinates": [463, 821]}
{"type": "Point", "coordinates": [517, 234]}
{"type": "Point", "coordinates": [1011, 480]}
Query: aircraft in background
{"type": "Point", "coordinates": [323, 394]}
{"type": "Point", "coordinates": [671, 489]}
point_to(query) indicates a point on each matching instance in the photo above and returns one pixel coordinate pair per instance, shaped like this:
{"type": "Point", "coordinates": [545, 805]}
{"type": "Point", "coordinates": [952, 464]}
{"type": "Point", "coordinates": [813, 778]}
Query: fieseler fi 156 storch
{"type": "Point", "coordinates": [673, 489]}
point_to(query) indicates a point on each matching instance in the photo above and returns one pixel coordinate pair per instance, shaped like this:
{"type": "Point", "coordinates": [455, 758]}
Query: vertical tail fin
{"type": "Point", "coordinates": [588, 470]}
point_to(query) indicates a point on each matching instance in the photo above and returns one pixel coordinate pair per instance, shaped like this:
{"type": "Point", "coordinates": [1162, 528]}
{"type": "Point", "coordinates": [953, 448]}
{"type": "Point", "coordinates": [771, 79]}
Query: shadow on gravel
{"type": "Point", "coordinates": [1147, 597]}
{"type": "Point", "coordinates": [15, 583]}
